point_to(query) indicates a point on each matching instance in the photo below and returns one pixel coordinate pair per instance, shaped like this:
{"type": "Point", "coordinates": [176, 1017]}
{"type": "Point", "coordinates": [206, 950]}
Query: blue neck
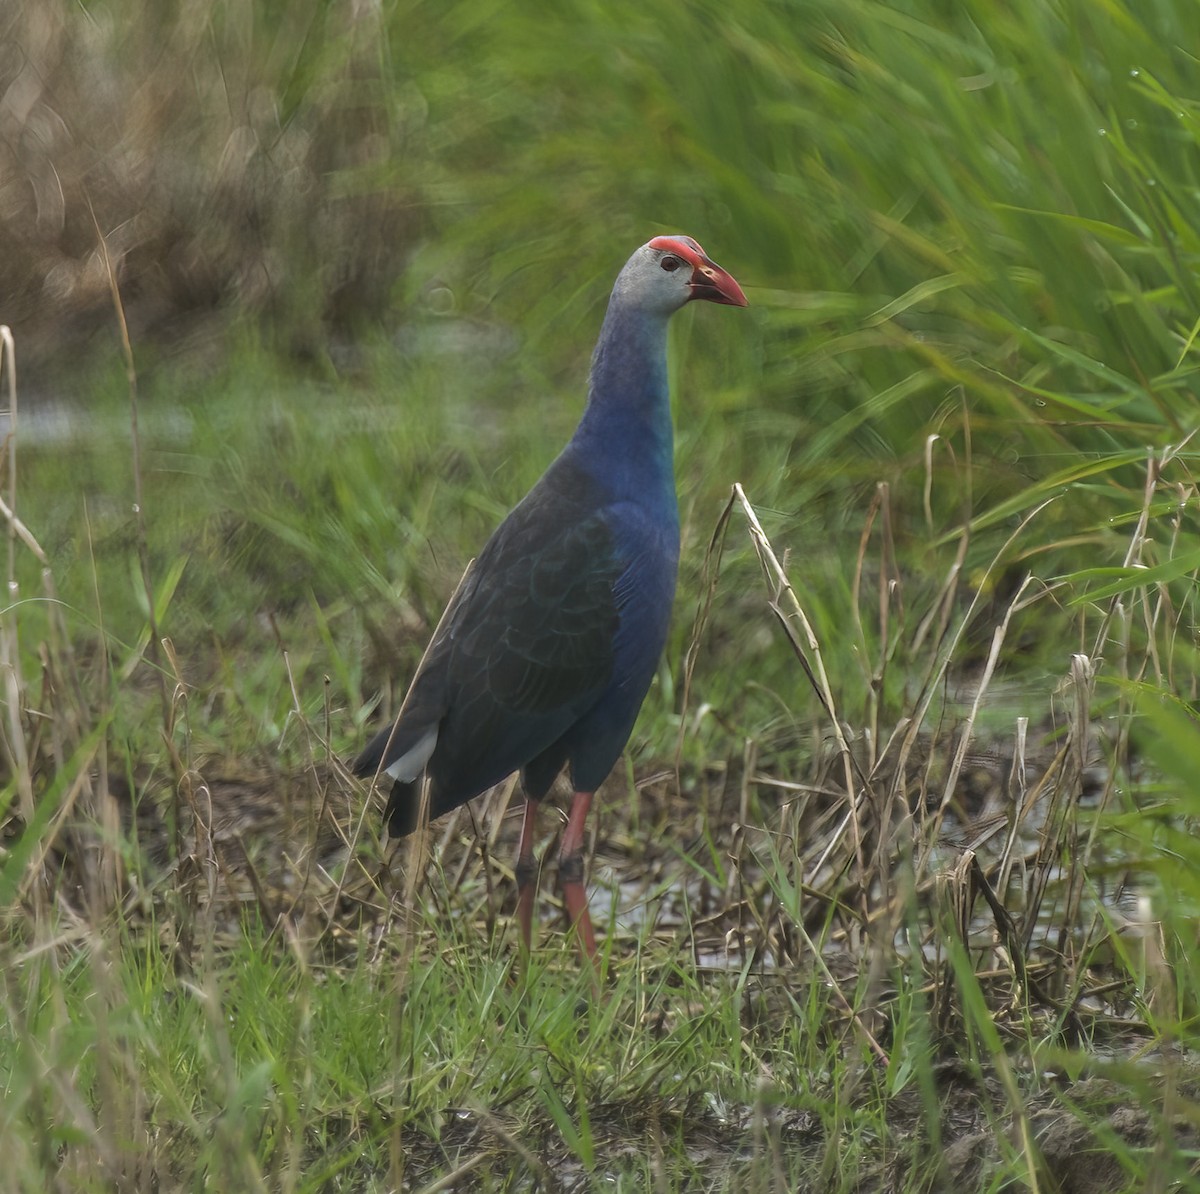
{"type": "Point", "coordinates": [624, 438]}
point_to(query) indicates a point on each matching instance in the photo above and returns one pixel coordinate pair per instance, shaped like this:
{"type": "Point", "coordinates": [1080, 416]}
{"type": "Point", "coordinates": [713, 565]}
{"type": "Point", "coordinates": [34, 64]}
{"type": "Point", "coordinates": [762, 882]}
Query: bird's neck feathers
{"type": "Point", "coordinates": [626, 428]}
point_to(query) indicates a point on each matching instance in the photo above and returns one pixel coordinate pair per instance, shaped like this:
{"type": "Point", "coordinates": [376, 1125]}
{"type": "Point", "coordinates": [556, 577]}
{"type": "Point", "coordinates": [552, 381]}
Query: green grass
{"type": "Point", "coordinates": [960, 408]}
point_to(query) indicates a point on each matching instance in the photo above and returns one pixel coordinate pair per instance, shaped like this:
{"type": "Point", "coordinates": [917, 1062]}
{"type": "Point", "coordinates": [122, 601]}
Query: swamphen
{"type": "Point", "coordinates": [545, 653]}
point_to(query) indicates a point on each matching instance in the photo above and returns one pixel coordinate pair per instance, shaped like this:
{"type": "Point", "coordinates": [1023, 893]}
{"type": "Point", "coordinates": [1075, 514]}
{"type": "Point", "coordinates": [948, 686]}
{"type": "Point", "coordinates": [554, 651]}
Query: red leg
{"type": "Point", "coordinates": [570, 874]}
{"type": "Point", "coordinates": [527, 873]}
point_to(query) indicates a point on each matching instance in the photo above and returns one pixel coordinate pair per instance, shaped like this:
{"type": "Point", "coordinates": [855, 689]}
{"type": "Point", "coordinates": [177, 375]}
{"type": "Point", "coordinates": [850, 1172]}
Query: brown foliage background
{"type": "Point", "coordinates": [222, 182]}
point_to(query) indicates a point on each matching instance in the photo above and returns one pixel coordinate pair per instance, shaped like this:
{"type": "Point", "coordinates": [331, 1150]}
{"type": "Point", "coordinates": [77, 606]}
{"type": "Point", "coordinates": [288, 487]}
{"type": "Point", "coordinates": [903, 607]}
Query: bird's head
{"type": "Point", "coordinates": [671, 271]}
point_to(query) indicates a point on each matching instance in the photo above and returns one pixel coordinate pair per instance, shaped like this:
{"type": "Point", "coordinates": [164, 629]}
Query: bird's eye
{"type": "Point", "coordinates": [670, 264]}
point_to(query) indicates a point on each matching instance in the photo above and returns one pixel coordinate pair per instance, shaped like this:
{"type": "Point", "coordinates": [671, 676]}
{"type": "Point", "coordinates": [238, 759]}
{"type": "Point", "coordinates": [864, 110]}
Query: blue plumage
{"type": "Point", "coordinates": [546, 652]}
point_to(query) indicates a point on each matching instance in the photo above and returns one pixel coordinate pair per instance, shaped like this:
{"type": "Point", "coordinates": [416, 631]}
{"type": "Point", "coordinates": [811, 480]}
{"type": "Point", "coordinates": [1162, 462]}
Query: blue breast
{"type": "Point", "coordinates": [624, 446]}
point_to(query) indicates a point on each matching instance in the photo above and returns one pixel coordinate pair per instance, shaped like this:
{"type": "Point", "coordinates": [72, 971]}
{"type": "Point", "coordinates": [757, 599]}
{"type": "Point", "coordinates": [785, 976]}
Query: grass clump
{"type": "Point", "coordinates": [900, 867]}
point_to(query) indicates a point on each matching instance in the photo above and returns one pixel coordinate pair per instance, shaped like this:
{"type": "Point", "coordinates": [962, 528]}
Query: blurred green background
{"type": "Point", "coordinates": [363, 249]}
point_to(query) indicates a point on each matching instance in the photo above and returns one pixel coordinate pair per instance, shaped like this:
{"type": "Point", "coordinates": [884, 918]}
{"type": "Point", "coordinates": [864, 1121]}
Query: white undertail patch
{"type": "Point", "coordinates": [410, 764]}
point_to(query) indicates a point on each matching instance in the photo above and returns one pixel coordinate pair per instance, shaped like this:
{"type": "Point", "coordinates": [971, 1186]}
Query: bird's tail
{"type": "Point", "coordinates": [403, 807]}
{"type": "Point", "coordinates": [400, 753]}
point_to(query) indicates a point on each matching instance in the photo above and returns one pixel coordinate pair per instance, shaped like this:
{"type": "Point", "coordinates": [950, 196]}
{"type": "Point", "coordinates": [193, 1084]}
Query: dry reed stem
{"type": "Point", "coordinates": [874, 678]}
{"type": "Point", "coordinates": [21, 530]}
{"type": "Point", "coordinates": [780, 586]}
{"type": "Point", "coordinates": [1138, 539]}
{"type": "Point", "coordinates": [201, 866]}
{"type": "Point", "coordinates": [939, 669]}
{"type": "Point", "coordinates": [711, 575]}
{"type": "Point", "coordinates": [10, 647]}
{"type": "Point", "coordinates": [931, 829]}
{"type": "Point", "coordinates": [62, 725]}
{"type": "Point", "coordinates": [1059, 835]}
{"type": "Point", "coordinates": [8, 366]}
{"type": "Point", "coordinates": [309, 850]}
{"type": "Point", "coordinates": [418, 853]}
{"type": "Point", "coordinates": [939, 613]}
{"type": "Point", "coordinates": [139, 510]}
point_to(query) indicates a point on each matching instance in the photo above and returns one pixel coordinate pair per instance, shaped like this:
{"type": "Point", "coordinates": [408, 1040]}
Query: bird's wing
{"type": "Point", "coordinates": [535, 633]}
{"type": "Point", "coordinates": [524, 648]}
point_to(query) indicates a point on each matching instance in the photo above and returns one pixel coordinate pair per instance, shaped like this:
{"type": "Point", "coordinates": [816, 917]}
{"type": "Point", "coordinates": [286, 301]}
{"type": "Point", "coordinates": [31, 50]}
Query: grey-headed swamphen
{"type": "Point", "coordinates": [547, 649]}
